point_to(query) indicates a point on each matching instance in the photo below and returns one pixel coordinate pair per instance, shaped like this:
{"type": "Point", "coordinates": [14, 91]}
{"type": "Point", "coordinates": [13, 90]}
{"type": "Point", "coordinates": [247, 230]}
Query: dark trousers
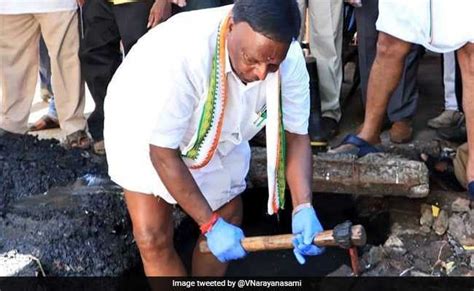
{"type": "Point", "coordinates": [44, 66]}
{"type": "Point", "coordinates": [458, 84]}
{"type": "Point", "coordinates": [105, 25]}
{"type": "Point", "coordinates": [403, 102]}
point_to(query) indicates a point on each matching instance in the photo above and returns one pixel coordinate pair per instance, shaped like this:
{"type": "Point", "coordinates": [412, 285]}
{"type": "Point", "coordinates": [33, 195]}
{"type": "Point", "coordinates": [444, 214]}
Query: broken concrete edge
{"type": "Point", "coordinates": [13, 264]}
{"type": "Point", "coordinates": [374, 175]}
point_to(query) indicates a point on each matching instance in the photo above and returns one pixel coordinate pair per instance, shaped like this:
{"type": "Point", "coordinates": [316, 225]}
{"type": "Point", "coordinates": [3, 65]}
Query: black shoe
{"type": "Point", "coordinates": [455, 133]}
{"type": "Point", "coordinates": [329, 127]}
{"type": "Point", "coordinates": [316, 132]}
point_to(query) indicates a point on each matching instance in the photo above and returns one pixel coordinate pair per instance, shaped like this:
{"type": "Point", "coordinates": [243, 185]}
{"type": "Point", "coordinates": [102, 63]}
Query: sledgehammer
{"type": "Point", "coordinates": [344, 235]}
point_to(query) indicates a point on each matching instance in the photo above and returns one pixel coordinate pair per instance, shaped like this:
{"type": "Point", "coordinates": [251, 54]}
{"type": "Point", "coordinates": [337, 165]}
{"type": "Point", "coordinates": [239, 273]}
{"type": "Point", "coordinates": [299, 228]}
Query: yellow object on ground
{"type": "Point", "coordinates": [435, 210]}
{"type": "Point", "coordinates": [468, 248]}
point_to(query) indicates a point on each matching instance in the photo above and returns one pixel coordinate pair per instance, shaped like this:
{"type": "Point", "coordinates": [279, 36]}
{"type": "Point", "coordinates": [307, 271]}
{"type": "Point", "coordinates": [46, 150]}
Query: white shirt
{"type": "Point", "coordinates": [156, 97]}
{"type": "Point", "coordinates": [36, 6]}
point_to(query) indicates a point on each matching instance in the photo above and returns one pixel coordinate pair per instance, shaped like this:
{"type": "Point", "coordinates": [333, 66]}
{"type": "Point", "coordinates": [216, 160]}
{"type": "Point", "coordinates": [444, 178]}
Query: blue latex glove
{"type": "Point", "coordinates": [224, 241]}
{"type": "Point", "coordinates": [305, 226]}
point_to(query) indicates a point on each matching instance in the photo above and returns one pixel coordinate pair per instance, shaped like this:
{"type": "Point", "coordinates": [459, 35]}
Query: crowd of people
{"type": "Point", "coordinates": [177, 99]}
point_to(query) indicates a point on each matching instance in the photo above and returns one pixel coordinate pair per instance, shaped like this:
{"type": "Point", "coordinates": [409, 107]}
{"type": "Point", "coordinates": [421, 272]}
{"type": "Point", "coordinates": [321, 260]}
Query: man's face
{"type": "Point", "coordinates": [253, 55]}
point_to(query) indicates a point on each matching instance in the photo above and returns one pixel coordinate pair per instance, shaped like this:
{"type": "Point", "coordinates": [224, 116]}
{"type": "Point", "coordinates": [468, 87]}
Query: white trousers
{"type": "Point", "coordinates": [325, 41]}
{"type": "Point", "coordinates": [449, 75]}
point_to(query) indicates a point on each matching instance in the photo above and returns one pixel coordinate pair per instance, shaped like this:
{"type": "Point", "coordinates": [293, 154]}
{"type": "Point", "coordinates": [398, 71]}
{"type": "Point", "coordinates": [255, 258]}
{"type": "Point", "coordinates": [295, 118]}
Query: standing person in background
{"type": "Point", "coordinates": [439, 26]}
{"type": "Point", "coordinates": [325, 42]}
{"type": "Point", "coordinates": [57, 22]}
{"type": "Point", "coordinates": [106, 25]}
{"type": "Point", "coordinates": [403, 103]}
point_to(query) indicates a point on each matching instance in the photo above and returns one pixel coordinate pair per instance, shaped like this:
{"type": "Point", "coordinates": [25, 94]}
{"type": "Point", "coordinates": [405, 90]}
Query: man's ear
{"type": "Point", "coordinates": [231, 22]}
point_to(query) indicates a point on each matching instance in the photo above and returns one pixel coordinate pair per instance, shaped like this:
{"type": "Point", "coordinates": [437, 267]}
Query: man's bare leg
{"type": "Point", "coordinates": [207, 264]}
{"type": "Point", "coordinates": [153, 230]}
{"type": "Point", "coordinates": [384, 77]}
{"type": "Point", "coordinates": [466, 63]}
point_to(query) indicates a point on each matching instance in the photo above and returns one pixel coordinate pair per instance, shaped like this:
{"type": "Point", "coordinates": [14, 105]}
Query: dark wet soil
{"type": "Point", "coordinates": [72, 235]}
{"type": "Point", "coordinates": [29, 166]}
{"type": "Point", "coordinates": [81, 229]}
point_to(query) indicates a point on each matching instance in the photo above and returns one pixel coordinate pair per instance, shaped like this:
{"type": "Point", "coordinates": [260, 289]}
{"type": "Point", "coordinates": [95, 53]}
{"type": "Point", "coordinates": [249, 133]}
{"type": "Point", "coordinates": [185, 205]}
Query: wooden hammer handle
{"type": "Point", "coordinates": [285, 241]}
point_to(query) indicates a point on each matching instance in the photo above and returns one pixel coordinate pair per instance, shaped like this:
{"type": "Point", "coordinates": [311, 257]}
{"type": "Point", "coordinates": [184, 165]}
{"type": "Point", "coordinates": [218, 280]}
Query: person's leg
{"type": "Point", "coordinates": [45, 77]}
{"type": "Point", "coordinates": [153, 229]}
{"type": "Point", "coordinates": [45, 72]}
{"type": "Point", "coordinates": [384, 77]}
{"type": "Point", "coordinates": [52, 112]}
{"type": "Point", "coordinates": [19, 41]}
{"type": "Point", "coordinates": [449, 77]}
{"type": "Point", "coordinates": [451, 114]}
{"type": "Point", "coordinates": [61, 35]}
{"type": "Point", "coordinates": [100, 57]}
{"type": "Point", "coordinates": [302, 5]}
{"type": "Point", "coordinates": [50, 120]}
{"type": "Point", "coordinates": [466, 63]}
{"type": "Point", "coordinates": [403, 101]}
{"type": "Point", "coordinates": [132, 20]}
{"type": "Point", "coordinates": [326, 22]}
{"type": "Point", "coordinates": [206, 264]}
{"type": "Point", "coordinates": [366, 16]}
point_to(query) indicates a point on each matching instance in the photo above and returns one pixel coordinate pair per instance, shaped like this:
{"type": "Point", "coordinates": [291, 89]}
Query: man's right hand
{"type": "Point", "coordinates": [224, 241]}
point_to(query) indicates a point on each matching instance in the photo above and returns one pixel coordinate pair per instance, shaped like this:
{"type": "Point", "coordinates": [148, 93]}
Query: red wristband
{"type": "Point", "coordinates": [208, 225]}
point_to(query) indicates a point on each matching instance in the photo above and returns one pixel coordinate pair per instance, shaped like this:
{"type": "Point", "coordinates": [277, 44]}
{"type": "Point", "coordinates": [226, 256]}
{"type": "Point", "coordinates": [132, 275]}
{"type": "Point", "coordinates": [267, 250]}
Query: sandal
{"type": "Point", "coordinates": [470, 190]}
{"type": "Point", "coordinates": [78, 140]}
{"type": "Point", "coordinates": [45, 122]}
{"type": "Point", "coordinates": [352, 144]}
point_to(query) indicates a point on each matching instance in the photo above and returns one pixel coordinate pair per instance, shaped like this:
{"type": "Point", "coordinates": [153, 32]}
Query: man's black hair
{"type": "Point", "coordinates": [278, 20]}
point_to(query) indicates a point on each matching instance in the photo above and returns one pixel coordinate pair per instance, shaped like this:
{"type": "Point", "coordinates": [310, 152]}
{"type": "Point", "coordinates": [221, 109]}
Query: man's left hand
{"type": "Point", "coordinates": [305, 225]}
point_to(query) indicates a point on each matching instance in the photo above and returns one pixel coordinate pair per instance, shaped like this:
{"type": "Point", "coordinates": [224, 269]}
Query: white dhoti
{"type": "Point", "coordinates": [220, 181]}
{"type": "Point", "coordinates": [439, 25]}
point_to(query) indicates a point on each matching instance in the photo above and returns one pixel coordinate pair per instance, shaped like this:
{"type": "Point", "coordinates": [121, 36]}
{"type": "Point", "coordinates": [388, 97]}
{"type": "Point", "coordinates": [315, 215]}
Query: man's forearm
{"type": "Point", "coordinates": [180, 183]}
{"type": "Point", "coordinates": [299, 168]}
